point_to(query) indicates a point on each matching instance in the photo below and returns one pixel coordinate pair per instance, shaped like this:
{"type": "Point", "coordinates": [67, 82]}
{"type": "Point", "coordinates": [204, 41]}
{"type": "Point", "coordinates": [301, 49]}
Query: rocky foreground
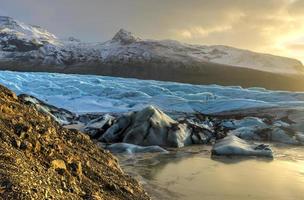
{"type": "Point", "coordinates": [41, 160]}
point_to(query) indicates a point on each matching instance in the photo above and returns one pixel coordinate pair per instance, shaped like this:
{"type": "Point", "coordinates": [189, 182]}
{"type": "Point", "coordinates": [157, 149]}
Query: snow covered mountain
{"type": "Point", "coordinates": [125, 47]}
{"type": "Point", "coordinates": [14, 30]}
{"type": "Point", "coordinates": [31, 48]}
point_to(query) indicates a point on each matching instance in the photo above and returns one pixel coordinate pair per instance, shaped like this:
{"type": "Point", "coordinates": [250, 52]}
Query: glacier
{"type": "Point", "coordinates": [100, 94]}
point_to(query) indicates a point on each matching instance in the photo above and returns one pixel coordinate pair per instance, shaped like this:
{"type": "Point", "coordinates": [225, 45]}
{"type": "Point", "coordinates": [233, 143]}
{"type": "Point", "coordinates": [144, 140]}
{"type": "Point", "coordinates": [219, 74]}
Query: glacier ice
{"type": "Point", "coordinates": [88, 93]}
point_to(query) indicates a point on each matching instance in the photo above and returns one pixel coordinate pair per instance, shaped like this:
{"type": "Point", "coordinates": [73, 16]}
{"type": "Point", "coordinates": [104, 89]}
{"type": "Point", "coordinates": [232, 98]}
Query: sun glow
{"type": "Point", "coordinates": [276, 30]}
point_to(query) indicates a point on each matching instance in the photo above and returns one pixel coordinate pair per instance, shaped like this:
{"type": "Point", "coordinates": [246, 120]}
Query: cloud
{"type": "Point", "coordinates": [296, 7]}
{"type": "Point", "coordinates": [203, 32]}
{"type": "Point", "coordinates": [296, 47]}
{"type": "Point", "coordinates": [264, 26]}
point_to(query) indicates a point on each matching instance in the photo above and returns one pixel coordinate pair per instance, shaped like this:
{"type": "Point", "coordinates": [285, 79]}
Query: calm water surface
{"type": "Point", "coordinates": [191, 174]}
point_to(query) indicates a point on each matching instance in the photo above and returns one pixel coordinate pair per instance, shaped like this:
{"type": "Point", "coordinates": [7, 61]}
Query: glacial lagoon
{"type": "Point", "coordinates": [190, 174]}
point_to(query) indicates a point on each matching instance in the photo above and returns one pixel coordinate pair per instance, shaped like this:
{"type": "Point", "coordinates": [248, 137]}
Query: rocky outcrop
{"type": "Point", "coordinates": [41, 160]}
{"type": "Point", "coordinates": [125, 37]}
{"type": "Point", "coordinates": [60, 115]}
{"type": "Point", "coordinates": [94, 125]}
{"type": "Point", "coordinates": [234, 146]}
{"type": "Point", "coordinates": [13, 43]}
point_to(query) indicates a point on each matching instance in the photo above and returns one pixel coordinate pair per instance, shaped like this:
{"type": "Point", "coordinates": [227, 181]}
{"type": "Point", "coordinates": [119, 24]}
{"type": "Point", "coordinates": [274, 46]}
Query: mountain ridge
{"type": "Point", "coordinates": [32, 48]}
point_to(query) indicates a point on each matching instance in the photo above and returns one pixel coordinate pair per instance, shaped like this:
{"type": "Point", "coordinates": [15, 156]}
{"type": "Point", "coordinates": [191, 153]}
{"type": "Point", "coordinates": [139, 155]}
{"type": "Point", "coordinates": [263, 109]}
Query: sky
{"type": "Point", "coordinates": [269, 26]}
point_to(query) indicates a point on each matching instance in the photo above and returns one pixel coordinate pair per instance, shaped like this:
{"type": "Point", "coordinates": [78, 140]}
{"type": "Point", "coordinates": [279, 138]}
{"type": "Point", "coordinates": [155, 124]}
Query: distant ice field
{"type": "Point", "coordinates": [87, 93]}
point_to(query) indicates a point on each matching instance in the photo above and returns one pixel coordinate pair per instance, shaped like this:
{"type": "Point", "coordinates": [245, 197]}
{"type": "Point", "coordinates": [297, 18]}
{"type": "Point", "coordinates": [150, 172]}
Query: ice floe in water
{"type": "Point", "coordinates": [87, 93]}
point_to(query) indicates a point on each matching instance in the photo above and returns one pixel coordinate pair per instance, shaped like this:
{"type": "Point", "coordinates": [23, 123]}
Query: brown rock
{"type": "Point", "coordinates": [58, 164]}
{"type": "Point", "coordinates": [76, 169]}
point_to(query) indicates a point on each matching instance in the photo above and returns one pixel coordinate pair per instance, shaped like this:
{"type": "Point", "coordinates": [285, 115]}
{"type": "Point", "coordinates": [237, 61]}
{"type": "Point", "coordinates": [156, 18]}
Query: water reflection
{"type": "Point", "coordinates": [235, 160]}
{"type": "Point", "coordinates": [191, 174]}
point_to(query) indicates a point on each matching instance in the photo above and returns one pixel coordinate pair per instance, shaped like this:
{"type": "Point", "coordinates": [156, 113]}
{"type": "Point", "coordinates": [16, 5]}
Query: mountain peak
{"type": "Point", "coordinates": [16, 29]}
{"type": "Point", "coordinates": [8, 21]}
{"type": "Point", "coordinates": [125, 37]}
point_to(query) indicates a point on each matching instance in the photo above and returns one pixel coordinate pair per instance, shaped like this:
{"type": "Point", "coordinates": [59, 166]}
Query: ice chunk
{"type": "Point", "coordinates": [131, 148]}
{"type": "Point", "coordinates": [234, 146]}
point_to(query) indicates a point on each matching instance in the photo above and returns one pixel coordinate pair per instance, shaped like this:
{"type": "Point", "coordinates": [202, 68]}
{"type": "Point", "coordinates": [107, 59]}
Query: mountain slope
{"type": "Point", "coordinates": [31, 48]}
{"type": "Point", "coordinates": [125, 47]}
{"type": "Point", "coordinates": [41, 160]}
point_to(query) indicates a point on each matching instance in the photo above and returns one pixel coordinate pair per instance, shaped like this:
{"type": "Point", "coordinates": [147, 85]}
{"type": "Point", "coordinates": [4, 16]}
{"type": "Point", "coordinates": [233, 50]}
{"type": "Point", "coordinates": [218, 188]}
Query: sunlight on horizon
{"type": "Point", "coordinates": [278, 32]}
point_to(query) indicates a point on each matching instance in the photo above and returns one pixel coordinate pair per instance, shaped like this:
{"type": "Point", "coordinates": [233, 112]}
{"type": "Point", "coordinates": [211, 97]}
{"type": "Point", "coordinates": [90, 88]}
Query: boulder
{"type": "Point", "coordinates": [231, 145]}
{"type": "Point", "coordinates": [58, 164]}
